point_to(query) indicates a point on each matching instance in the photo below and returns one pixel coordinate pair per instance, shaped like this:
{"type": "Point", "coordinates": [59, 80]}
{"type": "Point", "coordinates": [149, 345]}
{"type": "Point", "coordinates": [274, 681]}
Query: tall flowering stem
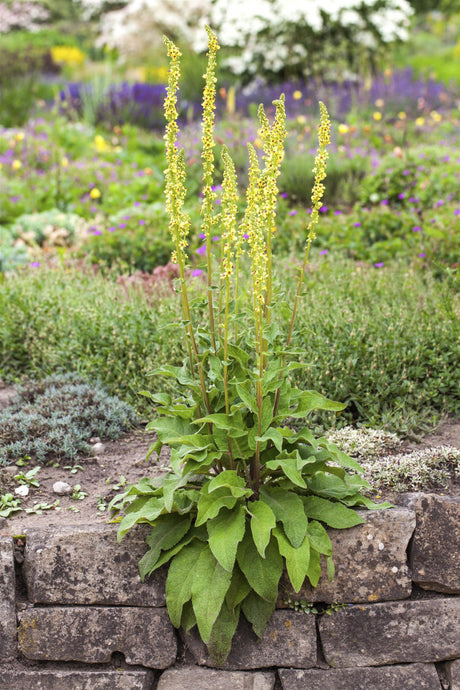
{"type": "Point", "coordinates": [207, 157]}
{"type": "Point", "coordinates": [319, 171]}
{"type": "Point", "coordinates": [179, 222]}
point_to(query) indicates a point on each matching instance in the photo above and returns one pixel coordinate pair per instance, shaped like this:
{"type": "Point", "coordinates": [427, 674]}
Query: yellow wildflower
{"type": "Point", "coordinates": [297, 95]}
{"type": "Point", "coordinates": [343, 129]}
{"type": "Point", "coordinates": [16, 165]}
{"type": "Point", "coordinates": [379, 103]}
{"type": "Point", "coordinates": [19, 136]}
{"type": "Point", "coordinates": [65, 162]}
{"type": "Point", "coordinates": [402, 115]}
{"type": "Point", "coordinates": [95, 193]}
{"type": "Point", "coordinates": [436, 116]}
{"type": "Point", "coordinates": [420, 121]}
{"type": "Point", "coordinates": [377, 116]}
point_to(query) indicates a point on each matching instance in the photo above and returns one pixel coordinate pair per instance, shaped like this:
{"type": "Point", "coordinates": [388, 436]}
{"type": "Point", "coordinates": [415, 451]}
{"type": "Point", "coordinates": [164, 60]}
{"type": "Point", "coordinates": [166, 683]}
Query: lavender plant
{"type": "Point", "coordinates": [246, 495]}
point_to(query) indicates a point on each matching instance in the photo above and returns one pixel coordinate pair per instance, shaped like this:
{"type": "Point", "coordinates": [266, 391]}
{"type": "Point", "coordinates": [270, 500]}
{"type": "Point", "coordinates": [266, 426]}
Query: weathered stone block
{"type": "Point", "coordinates": [370, 561]}
{"type": "Point", "coordinates": [145, 636]}
{"type": "Point", "coordinates": [409, 677]}
{"type": "Point", "coordinates": [453, 673]}
{"type": "Point", "coordinates": [86, 565]}
{"type": "Point", "coordinates": [389, 633]}
{"type": "Point", "coordinates": [8, 644]}
{"type": "Point", "coordinates": [435, 550]}
{"type": "Point", "coordinates": [289, 640]}
{"type": "Point", "coordinates": [57, 679]}
{"type": "Point", "coordinates": [208, 679]}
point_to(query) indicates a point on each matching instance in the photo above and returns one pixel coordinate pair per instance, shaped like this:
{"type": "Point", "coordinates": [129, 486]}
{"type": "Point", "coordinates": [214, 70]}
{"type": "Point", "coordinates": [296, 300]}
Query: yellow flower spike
{"type": "Point", "coordinates": [229, 210]}
{"type": "Point", "coordinates": [207, 157]}
{"type": "Point", "coordinates": [324, 139]}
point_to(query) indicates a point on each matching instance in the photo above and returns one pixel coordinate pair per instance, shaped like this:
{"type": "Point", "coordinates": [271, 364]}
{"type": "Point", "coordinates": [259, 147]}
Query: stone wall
{"type": "Point", "coordinates": [74, 614]}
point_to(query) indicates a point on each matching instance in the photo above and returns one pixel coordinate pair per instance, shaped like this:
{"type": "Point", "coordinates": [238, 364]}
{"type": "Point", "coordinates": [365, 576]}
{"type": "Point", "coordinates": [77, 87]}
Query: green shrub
{"type": "Point", "coordinates": [54, 419]}
{"type": "Point", "coordinates": [384, 341]}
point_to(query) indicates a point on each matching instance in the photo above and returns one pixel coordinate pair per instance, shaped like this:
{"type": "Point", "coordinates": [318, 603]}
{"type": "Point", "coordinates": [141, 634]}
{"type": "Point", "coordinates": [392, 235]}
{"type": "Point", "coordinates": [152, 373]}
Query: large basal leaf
{"type": "Point", "coordinates": [198, 534]}
{"type": "Point", "coordinates": [140, 511]}
{"type": "Point", "coordinates": [307, 401]}
{"type": "Point", "coordinates": [288, 509]}
{"type": "Point", "coordinates": [209, 587]}
{"type": "Point", "coordinates": [314, 567]}
{"type": "Point", "coordinates": [297, 560]}
{"type": "Point", "coordinates": [338, 456]}
{"type": "Point", "coordinates": [238, 590]}
{"type": "Point", "coordinates": [169, 429]}
{"type": "Point", "coordinates": [262, 522]}
{"type": "Point", "coordinates": [235, 484]}
{"type": "Point", "coordinates": [225, 533]}
{"type": "Point", "coordinates": [287, 463]}
{"type": "Point", "coordinates": [220, 641]}
{"type": "Point", "coordinates": [233, 424]}
{"type": "Point", "coordinates": [170, 484]}
{"type": "Point", "coordinates": [188, 619]}
{"type": "Point", "coordinates": [263, 574]}
{"type": "Point", "coordinates": [258, 612]}
{"type": "Point", "coordinates": [333, 514]}
{"type": "Point", "coordinates": [319, 538]}
{"type": "Point", "coordinates": [180, 578]}
{"type": "Point", "coordinates": [329, 485]}
{"type": "Point", "coordinates": [209, 505]}
{"type": "Point", "coordinates": [166, 533]}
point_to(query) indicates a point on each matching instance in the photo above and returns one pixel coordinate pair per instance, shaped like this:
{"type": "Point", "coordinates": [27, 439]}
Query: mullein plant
{"type": "Point", "coordinates": [246, 495]}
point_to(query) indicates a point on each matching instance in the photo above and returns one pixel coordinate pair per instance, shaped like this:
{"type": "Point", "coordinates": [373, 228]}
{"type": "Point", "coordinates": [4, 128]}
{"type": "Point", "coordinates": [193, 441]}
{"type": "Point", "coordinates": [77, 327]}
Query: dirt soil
{"type": "Point", "coordinates": [101, 475]}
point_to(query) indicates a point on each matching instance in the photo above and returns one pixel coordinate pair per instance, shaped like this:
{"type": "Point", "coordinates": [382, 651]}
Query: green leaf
{"type": "Point", "coordinates": [248, 399]}
{"type": "Point", "coordinates": [307, 401]}
{"type": "Point", "coordinates": [166, 533]}
{"type": "Point", "coordinates": [287, 463]}
{"type": "Point", "coordinates": [267, 414]}
{"type": "Point", "coordinates": [314, 567]}
{"type": "Point", "coordinates": [274, 435]}
{"type": "Point", "coordinates": [359, 500]}
{"type": "Point", "coordinates": [228, 478]}
{"type": "Point", "coordinates": [329, 485]}
{"type": "Point", "coordinates": [333, 514]}
{"type": "Point", "coordinates": [179, 581]}
{"type": "Point", "coordinates": [141, 510]}
{"type": "Point", "coordinates": [225, 533]}
{"type": "Point", "coordinates": [209, 505]}
{"type": "Point", "coordinates": [170, 484]}
{"type": "Point", "coordinates": [297, 560]}
{"type": "Point", "coordinates": [319, 538]}
{"type": "Point", "coordinates": [238, 590]}
{"type": "Point", "coordinates": [231, 423]}
{"type": "Point", "coordinates": [188, 619]}
{"type": "Point", "coordinates": [224, 628]}
{"type": "Point", "coordinates": [258, 612]}
{"type": "Point", "coordinates": [263, 574]}
{"type": "Point", "coordinates": [262, 523]}
{"type": "Point", "coordinates": [198, 534]}
{"type": "Point", "coordinates": [288, 509]}
{"type": "Point", "coordinates": [209, 587]}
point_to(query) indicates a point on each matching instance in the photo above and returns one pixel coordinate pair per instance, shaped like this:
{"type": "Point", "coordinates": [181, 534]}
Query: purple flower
{"type": "Point", "coordinates": [197, 272]}
{"type": "Point", "coordinates": [142, 221]}
{"type": "Point", "coordinates": [357, 225]}
{"type": "Point", "coordinates": [97, 232]}
{"type": "Point", "coordinates": [93, 209]}
{"type": "Point", "coordinates": [401, 195]}
{"type": "Point", "coordinates": [137, 203]}
{"type": "Point", "coordinates": [384, 202]}
{"type": "Point", "coordinates": [284, 195]}
{"type": "Point", "coordinates": [414, 200]}
{"type": "Point", "coordinates": [324, 209]}
{"type": "Point", "coordinates": [112, 228]}
{"type": "Point", "coordinates": [216, 238]}
{"type": "Point", "coordinates": [122, 225]}
{"type": "Point", "coordinates": [324, 251]}
{"type": "Point", "coordinates": [246, 236]}
{"type": "Point", "coordinates": [422, 255]}
{"type": "Point", "coordinates": [35, 264]}
{"type": "Point", "coordinates": [457, 212]}
{"type": "Point", "coordinates": [14, 199]}
{"type": "Point", "coordinates": [440, 202]}
{"type": "Point", "coordinates": [293, 212]}
{"type": "Point", "coordinates": [338, 212]}
{"type": "Point", "coordinates": [416, 228]}
{"type": "Point", "coordinates": [379, 265]}
{"type": "Point", "coordinates": [202, 236]}
{"type": "Point", "coordinates": [126, 217]}
{"type": "Point", "coordinates": [406, 172]}
{"type": "Point", "coordinates": [201, 250]}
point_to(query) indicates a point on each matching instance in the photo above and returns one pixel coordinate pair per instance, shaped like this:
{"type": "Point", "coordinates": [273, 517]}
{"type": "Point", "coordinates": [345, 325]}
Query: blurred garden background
{"type": "Point", "coordinates": [86, 279]}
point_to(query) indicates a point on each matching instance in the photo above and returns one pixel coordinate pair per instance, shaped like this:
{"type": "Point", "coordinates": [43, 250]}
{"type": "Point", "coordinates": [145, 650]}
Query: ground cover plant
{"type": "Point", "coordinates": [246, 493]}
{"type": "Point", "coordinates": [54, 419]}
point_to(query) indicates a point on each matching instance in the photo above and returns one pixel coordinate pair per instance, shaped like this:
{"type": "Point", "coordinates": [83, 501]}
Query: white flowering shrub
{"type": "Point", "coordinates": [28, 16]}
{"type": "Point", "coordinates": [283, 38]}
{"type": "Point", "coordinates": [269, 38]}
